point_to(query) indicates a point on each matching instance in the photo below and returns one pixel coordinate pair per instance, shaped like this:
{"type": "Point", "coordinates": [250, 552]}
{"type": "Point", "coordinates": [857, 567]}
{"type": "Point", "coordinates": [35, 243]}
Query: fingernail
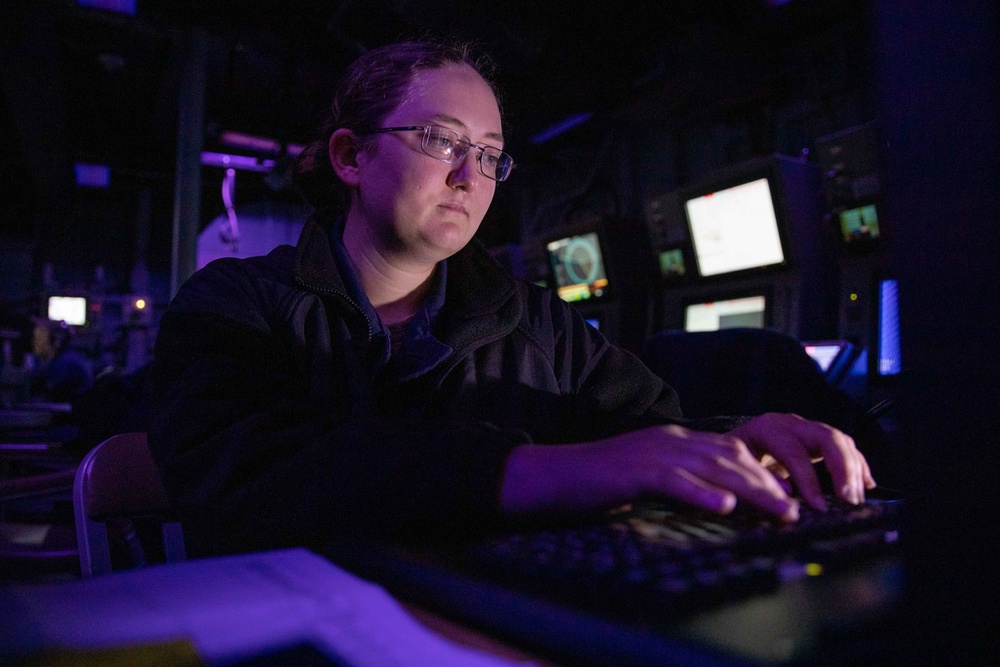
{"type": "Point", "coordinates": [819, 502]}
{"type": "Point", "coordinates": [792, 513]}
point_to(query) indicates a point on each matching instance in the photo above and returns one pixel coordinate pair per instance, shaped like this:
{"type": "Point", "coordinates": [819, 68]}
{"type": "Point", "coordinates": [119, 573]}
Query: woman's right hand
{"type": "Point", "coordinates": [708, 470]}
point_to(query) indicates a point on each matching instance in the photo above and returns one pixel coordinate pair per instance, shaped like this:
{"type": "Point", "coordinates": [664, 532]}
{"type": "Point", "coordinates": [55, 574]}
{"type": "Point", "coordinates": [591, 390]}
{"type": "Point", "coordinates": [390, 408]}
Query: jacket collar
{"type": "Point", "coordinates": [315, 266]}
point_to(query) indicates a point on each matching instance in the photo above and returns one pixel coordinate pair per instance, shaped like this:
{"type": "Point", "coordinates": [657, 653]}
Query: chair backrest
{"type": "Point", "coordinates": [117, 480]}
{"type": "Point", "coordinates": [753, 371]}
{"type": "Point", "coordinates": [742, 372]}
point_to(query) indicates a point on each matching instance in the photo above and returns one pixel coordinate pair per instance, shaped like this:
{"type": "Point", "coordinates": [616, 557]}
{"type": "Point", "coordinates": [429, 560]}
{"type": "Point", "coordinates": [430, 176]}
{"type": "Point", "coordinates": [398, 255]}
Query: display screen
{"type": "Point", "coordinates": [69, 309]}
{"type": "Point", "coordinates": [889, 362]}
{"type": "Point", "coordinates": [826, 352]}
{"type": "Point", "coordinates": [672, 263]}
{"type": "Point", "coordinates": [735, 229]}
{"type": "Point", "coordinates": [578, 267]}
{"type": "Point", "coordinates": [859, 224]}
{"type": "Point", "coordinates": [726, 314]}
{"type": "Point", "coordinates": [834, 357]}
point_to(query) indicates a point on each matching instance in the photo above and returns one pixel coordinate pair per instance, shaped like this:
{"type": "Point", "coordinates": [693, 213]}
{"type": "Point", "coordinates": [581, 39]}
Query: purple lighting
{"type": "Point", "coordinates": [249, 142]}
{"type": "Point", "coordinates": [560, 127]}
{"type": "Point", "coordinates": [259, 144]}
{"type": "Point", "coordinates": [227, 161]}
{"type": "Point", "coordinates": [92, 175]}
{"type": "Point", "coordinates": [120, 6]}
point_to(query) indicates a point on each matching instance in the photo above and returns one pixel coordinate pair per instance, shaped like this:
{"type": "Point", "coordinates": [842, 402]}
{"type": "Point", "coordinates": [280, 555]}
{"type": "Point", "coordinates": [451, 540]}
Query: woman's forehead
{"type": "Point", "coordinates": [454, 95]}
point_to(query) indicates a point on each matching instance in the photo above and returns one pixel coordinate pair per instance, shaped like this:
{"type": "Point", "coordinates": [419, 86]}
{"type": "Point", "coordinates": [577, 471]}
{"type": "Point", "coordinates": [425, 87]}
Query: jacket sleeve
{"type": "Point", "coordinates": [251, 462]}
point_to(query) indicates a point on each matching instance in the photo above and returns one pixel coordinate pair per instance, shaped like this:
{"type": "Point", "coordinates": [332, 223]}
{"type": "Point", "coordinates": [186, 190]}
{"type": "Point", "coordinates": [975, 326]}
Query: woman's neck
{"type": "Point", "coordinates": [395, 288]}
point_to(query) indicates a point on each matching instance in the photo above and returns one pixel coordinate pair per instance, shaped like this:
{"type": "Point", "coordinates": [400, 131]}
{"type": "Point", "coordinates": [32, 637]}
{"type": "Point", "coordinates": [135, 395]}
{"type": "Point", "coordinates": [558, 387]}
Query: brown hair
{"type": "Point", "coordinates": [373, 86]}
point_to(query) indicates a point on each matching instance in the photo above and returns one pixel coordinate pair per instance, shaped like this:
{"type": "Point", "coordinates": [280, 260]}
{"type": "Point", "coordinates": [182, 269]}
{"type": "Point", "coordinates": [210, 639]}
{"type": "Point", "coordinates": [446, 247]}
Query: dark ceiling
{"type": "Point", "coordinates": [111, 80]}
{"type": "Point", "coordinates": [90, 85]}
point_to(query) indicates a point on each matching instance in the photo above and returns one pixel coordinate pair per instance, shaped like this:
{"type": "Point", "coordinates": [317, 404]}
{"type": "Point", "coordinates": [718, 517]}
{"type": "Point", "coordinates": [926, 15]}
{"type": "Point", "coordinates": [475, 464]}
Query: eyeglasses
{"type": "Point", "coordinates": [450, 146]}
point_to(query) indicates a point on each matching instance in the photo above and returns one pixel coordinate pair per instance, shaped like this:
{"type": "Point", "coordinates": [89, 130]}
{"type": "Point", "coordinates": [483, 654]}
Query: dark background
{"type": "Point", "coordinates": [674, 92]}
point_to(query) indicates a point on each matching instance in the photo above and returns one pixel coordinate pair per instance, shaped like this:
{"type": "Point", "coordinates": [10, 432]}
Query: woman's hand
{"type": "Point", "coordinates": [789, 445]}
{"type": "Point", "coordinates": [708, 470]}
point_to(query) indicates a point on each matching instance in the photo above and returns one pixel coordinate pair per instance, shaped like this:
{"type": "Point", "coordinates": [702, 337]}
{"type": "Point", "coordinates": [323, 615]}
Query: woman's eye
{"type": "Point", "coordinates": [443, 143]}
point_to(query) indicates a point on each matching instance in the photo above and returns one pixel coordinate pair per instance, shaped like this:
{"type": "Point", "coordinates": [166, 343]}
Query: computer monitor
{"type": "Point", "coordinates": [824, 352]}
{"type": "Point", "coordinates": [834, 357]}
{"type": "Point", "coordinates": [578, 269]}
{"type": "Point", "coordinates": [755, 227]}
{"type": "Point", "coordinates": [735, 228]}
{"type": "Point", "coordinates": [747, 311]}
{"type": "Point", "coordinates": [671, 263]}
{"type": "Point", "coordinates": [860, 224]}
{"type": "Point", "coordinates": [69, 309]}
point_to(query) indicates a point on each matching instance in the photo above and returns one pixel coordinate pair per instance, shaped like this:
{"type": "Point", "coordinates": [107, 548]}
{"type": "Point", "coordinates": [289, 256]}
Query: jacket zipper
{"type": "Point", "coordinates": [342, 296]}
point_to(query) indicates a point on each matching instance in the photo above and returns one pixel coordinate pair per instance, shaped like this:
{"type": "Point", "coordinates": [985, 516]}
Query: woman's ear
{"type": "Point", "coordinates": [343, 149]}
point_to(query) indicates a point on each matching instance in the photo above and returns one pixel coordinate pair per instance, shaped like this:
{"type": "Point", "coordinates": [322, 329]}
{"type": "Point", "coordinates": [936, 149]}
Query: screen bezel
{"type": "Point", "coordinates": [748, 175]}
{"type": "Point", "coordinates": [730, 296]}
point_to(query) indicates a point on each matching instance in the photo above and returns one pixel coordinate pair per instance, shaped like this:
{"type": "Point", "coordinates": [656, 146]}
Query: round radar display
{"type": "Point", "coordinates": [582, 260]}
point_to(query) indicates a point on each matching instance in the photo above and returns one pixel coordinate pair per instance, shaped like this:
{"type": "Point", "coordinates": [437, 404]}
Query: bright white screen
{"type": "Point", "coordinates": [735, 229]}
{"type": "Point", "coordinates": [69, 309]}
{"type": "Point", "coordinates": [728, 314]}
{"type": "Point", "coordinates": [823, 355]}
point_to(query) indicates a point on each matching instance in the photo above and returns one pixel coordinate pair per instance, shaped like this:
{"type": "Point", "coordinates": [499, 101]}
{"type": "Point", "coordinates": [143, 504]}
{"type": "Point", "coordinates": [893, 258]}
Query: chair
{"type": "Point", "coordinates": [743, 372]}
{"type": "Point", "coordinates": [37, 536]}
{"type": "Point", "coordinates": [753, 371]}
{"type": "Point", "coordinates": [119, 480]}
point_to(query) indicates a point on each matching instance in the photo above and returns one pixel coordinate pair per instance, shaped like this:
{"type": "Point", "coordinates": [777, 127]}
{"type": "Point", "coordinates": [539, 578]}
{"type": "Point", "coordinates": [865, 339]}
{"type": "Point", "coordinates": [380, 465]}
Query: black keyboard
{"type": "Point", "coordinates": [664, 585]}
{"type": "Point", "coordinates": [656, 561]}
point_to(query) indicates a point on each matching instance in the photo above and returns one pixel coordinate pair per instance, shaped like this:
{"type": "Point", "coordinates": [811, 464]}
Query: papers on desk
{"type": "Point", "coordinates": [230, 609]}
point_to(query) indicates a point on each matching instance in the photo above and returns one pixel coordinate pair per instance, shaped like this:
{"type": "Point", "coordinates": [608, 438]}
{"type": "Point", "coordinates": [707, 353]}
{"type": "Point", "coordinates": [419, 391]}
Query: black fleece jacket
{"type": "Point", "coordinates": [271, 429]}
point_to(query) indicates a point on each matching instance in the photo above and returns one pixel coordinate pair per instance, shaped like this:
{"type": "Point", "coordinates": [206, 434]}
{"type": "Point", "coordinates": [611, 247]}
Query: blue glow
{"type": "Point", "coordinates": [92, 175]}
{"type": "Point", "coordinates": [889, 362]}
{"type": "Point", "coordinates": [229, 161]}
{"type": "Point", "coordinates": [120, 6]}
{"type": "Point", "coordinates": [560, 127]}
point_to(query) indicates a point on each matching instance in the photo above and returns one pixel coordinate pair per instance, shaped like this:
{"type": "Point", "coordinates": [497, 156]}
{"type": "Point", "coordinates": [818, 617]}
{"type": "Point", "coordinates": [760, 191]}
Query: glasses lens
{"type": "Point", "coordinates": [442, 143]}
{"type": "Point", "coordinates": [450, 146]}
{"type": "Point", "coordinates": [495, 163]}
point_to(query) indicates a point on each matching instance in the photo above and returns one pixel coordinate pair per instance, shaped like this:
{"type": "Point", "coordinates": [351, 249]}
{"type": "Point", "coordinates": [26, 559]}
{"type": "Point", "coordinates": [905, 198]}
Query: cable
{"type": "Point", "coordinates": [230, 230]}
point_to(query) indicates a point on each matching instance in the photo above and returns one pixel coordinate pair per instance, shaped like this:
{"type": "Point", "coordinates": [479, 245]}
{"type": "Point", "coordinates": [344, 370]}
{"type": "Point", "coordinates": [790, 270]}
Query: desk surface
{"type": "Point", "coordinates": [234, 608]}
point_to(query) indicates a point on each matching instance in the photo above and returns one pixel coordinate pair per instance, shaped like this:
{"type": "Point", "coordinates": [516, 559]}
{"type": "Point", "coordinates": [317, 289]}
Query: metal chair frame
{"type": "Point", "coordinates": [118, 479]}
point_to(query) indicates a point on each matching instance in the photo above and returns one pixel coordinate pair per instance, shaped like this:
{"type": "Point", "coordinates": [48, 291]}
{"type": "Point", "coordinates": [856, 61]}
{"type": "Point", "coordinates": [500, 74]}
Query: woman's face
{"type": "Point", "coordinates": [415, 207]}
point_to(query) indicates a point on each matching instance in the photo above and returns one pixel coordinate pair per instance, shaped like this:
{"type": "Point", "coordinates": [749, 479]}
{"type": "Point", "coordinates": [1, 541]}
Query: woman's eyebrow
{"type": "Point", "coordinates": [445, 118]}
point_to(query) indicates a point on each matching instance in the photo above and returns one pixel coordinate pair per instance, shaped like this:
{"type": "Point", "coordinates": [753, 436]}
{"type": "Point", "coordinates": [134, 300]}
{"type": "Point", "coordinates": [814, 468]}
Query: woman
{"type": "Point", "coordinates": [387, 377]}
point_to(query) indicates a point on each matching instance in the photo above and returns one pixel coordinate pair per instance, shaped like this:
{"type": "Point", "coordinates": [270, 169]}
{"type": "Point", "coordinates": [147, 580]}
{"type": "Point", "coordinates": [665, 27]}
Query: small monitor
{"type": "Point", "coordinates": [735, 229]}
{"type": "Point", "coordinates": [749, 311]}
{"type": "Point", "coordinates": [860, 225]}
{"type": "Point", "coordinates": [69, 309]}
{"type": "Point", "coordinates": [672, 263]}
{"type": "Point", "coordinates": [578, 269]}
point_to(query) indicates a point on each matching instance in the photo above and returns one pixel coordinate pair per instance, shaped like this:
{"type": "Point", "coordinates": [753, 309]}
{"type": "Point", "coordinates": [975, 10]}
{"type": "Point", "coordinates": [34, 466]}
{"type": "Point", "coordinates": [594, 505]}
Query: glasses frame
{"type": "Point", "coordinates": [456, 156]}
